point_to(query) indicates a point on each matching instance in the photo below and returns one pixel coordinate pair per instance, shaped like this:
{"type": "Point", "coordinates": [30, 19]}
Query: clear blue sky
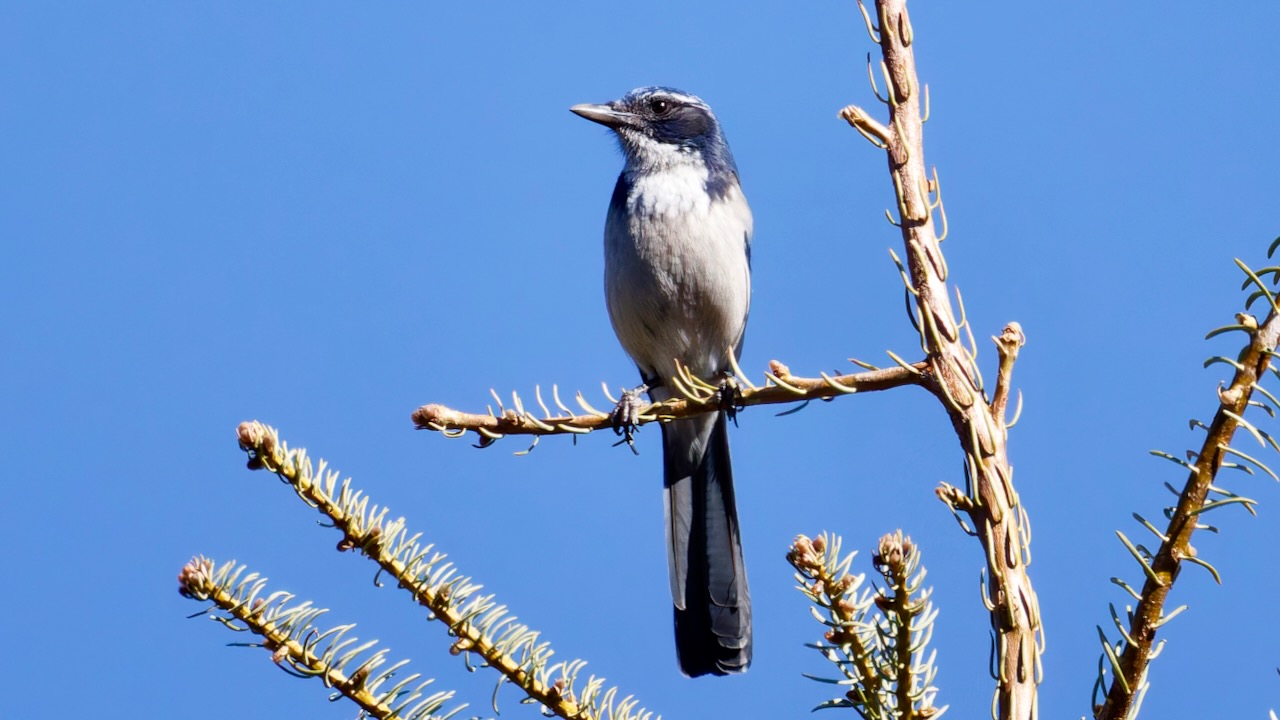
{"type": "Point", "coordinates": [323, 215]}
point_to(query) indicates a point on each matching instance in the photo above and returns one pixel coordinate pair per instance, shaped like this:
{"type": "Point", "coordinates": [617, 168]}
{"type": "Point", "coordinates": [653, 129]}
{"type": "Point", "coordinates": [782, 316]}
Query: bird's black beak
{"type": "Point", "coordinates": [603, 114]}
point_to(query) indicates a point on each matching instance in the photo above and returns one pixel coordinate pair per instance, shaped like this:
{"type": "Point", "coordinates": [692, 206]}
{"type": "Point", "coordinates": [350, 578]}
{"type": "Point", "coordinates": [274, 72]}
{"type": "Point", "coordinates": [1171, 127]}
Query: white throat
{"type": "Point", "coordinates": [677, 189]}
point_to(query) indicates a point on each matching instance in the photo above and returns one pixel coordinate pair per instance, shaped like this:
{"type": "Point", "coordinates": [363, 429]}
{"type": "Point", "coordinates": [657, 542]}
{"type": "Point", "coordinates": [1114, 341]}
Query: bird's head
{"type": "Point", "coordinates": [659, 127]}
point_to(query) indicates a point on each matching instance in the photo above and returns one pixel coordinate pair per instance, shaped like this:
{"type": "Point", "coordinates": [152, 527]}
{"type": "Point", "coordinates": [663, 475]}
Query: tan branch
{"type": "Point", "coordinates": [785, 388]}
{"type": "Point", "coordinates": [897, 560]}
{"type": "Point", "coordinates": [481, 626]}
{"type": "Point", "coordinates": [1007, 345]}
{"type": "Point", "coordinates": [303, 649]}
{"type": "Point", "coordinates": [1163, 568]}
{"type": "Point", "coordinates": [993, 508]}
{"type": "Point", "coordinates": [878, 638]}
{"type": "Point", "coordinates": [825, 579]}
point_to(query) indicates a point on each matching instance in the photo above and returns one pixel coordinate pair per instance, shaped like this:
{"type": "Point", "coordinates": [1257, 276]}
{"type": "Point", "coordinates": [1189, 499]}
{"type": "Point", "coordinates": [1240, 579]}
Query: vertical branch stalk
{"type": "Point", "coordinates": [994, 508]}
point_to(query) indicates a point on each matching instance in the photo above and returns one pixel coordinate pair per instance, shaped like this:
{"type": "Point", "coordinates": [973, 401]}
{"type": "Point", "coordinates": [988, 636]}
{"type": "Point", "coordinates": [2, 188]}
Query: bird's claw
{"type": "Point", "coordinates": [626, 416]}
{"type": "Point", "coordinates": [730, 398]}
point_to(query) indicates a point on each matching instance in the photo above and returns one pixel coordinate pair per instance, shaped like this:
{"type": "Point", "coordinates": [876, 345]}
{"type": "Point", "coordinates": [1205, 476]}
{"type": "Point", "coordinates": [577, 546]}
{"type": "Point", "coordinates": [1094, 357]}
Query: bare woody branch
{"type": "Point", "coordinates": [1009, 343]}
{"type": "Point", "coordinates": [699, 398]}
{"type": "Point", "coordinates": [993, 507]}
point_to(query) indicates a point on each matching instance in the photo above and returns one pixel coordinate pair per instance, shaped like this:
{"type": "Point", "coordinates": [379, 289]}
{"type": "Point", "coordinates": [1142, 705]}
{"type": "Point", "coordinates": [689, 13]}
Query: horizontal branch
{"type": "Point", "coordinates": [782, 387]}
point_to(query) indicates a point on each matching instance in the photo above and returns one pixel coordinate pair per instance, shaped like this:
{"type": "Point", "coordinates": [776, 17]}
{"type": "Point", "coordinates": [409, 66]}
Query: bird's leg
{"type": "Point", "coordinates": [730, 396]}
{"type": "Point", "coordinates": [626, 414]}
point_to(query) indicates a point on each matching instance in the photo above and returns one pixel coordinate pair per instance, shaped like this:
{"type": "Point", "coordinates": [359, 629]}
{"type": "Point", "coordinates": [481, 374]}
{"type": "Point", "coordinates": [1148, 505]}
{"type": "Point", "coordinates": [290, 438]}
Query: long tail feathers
{"type": "Point", "coordinates": [708, 578]}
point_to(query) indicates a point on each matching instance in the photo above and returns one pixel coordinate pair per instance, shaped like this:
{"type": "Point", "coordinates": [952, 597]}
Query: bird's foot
{"type": "Point", "coordinates": [626, 416]}
{"type": "Point", "coordinates": [730, 399]}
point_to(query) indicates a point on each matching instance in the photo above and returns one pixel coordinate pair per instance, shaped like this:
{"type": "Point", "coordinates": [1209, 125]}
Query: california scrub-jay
{"type": "Point", "coordinates": [677, 280]}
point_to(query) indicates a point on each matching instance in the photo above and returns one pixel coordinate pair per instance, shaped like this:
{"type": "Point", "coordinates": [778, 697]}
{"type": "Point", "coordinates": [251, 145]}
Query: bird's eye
{"type": "Point", "coordinates": [660, 106]}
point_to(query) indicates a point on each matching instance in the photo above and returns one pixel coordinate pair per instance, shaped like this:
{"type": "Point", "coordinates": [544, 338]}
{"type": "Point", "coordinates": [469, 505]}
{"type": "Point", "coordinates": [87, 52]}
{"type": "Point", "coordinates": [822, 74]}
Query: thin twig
{"type": "Point", "coordinates": [1007, 345]}
{"type": "Point", "coordinates": [788, 388]}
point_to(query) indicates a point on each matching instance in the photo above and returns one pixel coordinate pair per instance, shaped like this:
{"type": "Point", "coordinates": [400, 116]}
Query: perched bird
{"type": "Point", "coordinates": [677, 249]}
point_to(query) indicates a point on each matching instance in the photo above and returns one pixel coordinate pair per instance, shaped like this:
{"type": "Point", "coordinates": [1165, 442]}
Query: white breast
{"type": "Point", "coordinates": [677, 279]}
